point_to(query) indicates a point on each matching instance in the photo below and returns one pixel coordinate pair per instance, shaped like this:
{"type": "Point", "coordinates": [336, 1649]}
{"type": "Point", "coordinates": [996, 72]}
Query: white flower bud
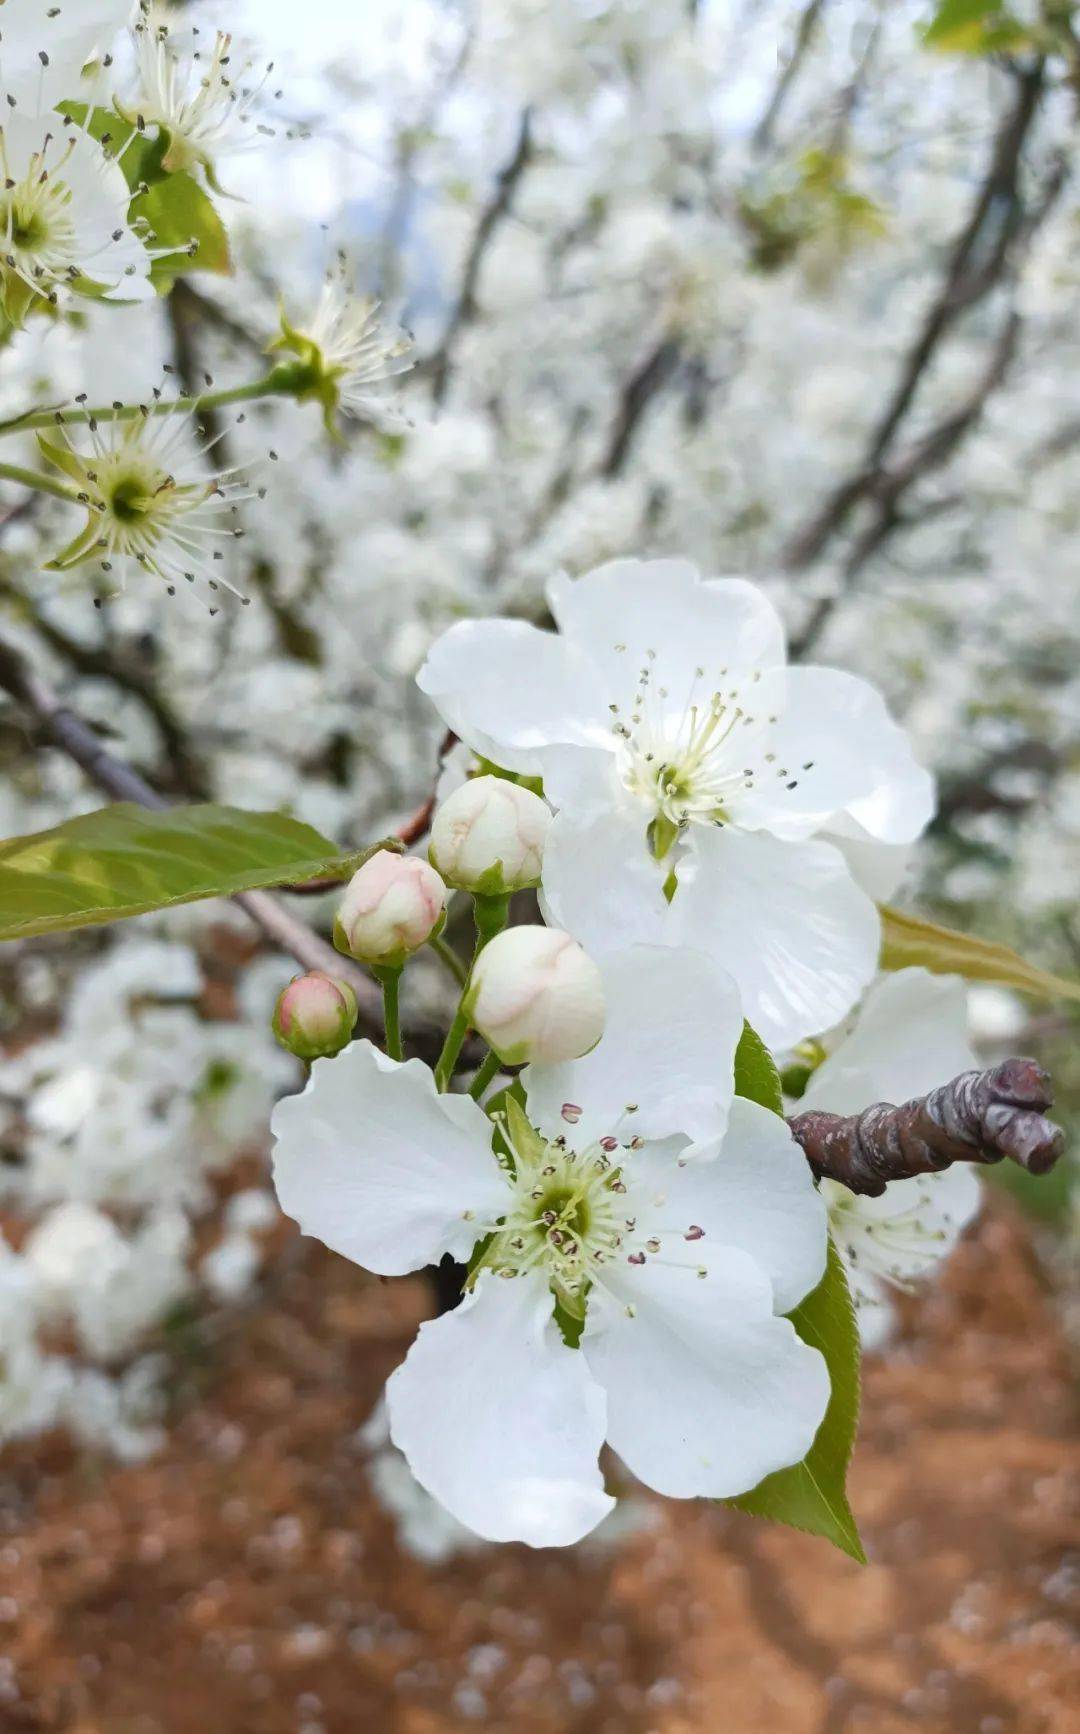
{"type": "Point", "coordinates": [391, 907]}
{"type": "Point", "coordinates": [535, 995]}
{"type": "Point", "coordinates": [315, 1015]}
{"type": "Point", "coordinates": [489, 836]}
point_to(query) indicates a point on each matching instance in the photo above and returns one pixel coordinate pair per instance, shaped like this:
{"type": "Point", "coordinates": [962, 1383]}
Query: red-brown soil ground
{"type": "Point", "coordinates": [245, 1582]}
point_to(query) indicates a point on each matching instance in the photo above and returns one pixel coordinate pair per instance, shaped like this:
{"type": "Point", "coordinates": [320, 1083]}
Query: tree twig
{"type": "Point", "coordinates": [978, 1117]}
{"type": "Point", "coordinates": [465, 307]}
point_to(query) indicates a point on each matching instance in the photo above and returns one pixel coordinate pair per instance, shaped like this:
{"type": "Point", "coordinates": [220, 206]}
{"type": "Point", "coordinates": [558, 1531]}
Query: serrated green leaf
{"type": "Point", "coordinates": [906, 941]}
{"type": "Point", "coordinates": [756, 1076]}
{"type": "Point", "coordinates": [812, 1495]}
{"type": "Point", "coordinates": [126, 860]}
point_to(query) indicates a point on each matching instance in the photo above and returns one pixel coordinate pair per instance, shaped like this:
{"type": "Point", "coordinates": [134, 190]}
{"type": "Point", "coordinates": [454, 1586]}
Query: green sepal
{"type": "Point", "coordinates": [756, 1076]}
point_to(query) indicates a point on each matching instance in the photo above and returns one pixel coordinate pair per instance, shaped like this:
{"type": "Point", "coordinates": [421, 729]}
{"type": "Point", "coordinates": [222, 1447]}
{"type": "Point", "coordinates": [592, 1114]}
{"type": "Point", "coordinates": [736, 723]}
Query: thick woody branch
{"type": "Point", "coordinates": [979, 1117]}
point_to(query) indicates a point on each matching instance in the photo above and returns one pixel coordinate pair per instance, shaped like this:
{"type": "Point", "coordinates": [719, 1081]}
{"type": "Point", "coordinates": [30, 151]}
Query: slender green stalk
{"type": "Point", "coordinates": [490, 914]}
{"type": "Point", "coordinates": [456, 965]}
{"type": "Point", "coordinates": [40, 482]}
{"type": "Point", "coordinates": [451, 1049]}
{"type": "Point", "coordinates": [484, 1076]}
{"type": "Point", "coordinates": [277, 383]}
{"type": "Point", "coordinates": [391, 990]}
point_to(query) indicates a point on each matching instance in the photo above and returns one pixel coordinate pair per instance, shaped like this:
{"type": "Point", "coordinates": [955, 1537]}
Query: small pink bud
{"type": "Point", "coordinates": [391, 907]}
{"type": "Point", "coordinates": [315, 1015]}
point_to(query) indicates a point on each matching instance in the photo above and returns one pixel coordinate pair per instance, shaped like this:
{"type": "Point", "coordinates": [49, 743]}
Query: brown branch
{"type": "Point", "coordinates": [763, 132]}
{"type": "Point", "coordinates": [465, 307]}
{"type": "Point", "coordinates": [979, 1117]}
{"type": "Point", "coordinates": [976, 263]}
{"type": "Point", "coordinates": [641, 387]}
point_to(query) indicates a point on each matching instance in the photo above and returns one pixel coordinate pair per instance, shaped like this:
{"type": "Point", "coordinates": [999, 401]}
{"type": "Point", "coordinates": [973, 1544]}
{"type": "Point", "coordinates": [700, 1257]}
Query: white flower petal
{"type": "Point", "coordinates": [756, 1193]}
{"type": "Point", "coordinates": [500, 1421]}
{"type": "Point", "coordinates": [509, 689]}
{"type": "Point", "coordinates": [708, 1391]}
{"type": "Point", "coordinates": [372, 1161]}
{"type": "Point", "coordinates": [909, 1036]}
{"type": "Point", "coordinates": [619, 613]}
{"type": "Point", "coordinates": [786, 919]}
{"type": "Point", "coordinates": [879, 869]}
{"type": "Point", "coordinates": [673, 1023]}
{"type": "Point", "coordinates": [601, 884]}
{"type": "Point", "coordinates": [837, 750]}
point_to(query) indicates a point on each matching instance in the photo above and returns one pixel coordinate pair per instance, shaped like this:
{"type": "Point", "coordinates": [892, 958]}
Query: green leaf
{"type": "Point", "coordinates": [906, 941]}
{"type": "Point", "coordinates": [973, 27]}
{"type": "Point", "coordinates": [178, 212]}
{"type": "Point", "coordinates": [812, 1494]}
{"type": "Point", "coordinates": [126, 860]}
{"type": "Point", "coordinates": [756, 1076]}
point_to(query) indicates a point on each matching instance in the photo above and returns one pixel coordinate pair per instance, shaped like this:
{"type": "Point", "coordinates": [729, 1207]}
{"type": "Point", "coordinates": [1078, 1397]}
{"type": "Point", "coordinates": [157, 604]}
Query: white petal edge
{"type": "Point", "coordinates": [756, 1194]}
{"type": "Point", "coordinates": [600, 882]}
{"type": "Point", "coordinates": [708, 1391]}
{"type": "Point", "coordinates": [909, 1035]}
{"type": "Point", "coordinates": [500, 1421]}
{"type": "Point", "coordinates": [372, 1161]}
{"type": "Point", "coordinates": [674, 1020]}
{"type": "Point", "coordinates": [786, 920]}
{"type": "Point", "coordinates": [508, 689]}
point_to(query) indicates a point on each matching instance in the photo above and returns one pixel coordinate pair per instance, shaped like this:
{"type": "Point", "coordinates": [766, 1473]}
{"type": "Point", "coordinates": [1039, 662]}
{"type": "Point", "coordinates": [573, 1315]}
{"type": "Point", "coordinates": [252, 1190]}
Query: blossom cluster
{"type": "Point", "coordinates": [634, 1232]}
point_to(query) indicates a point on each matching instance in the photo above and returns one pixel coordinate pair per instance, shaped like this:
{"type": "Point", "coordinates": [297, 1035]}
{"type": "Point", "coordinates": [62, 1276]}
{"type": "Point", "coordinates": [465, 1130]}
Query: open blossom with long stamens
{"type": "Point", "coordinates": [207, 105]}
{"type": "Point", "coordinates": [152, 503]}
{"type": "Point", "coordinates": [44, 47]}
{"type": "Point", "coordinates": [349, 353]}
{"type": "Point", "coordinates": [910, 1034]}
{"type": "Point", "coordinates": [706, 794]}
{"type": "Point", "coordinates": [64, 227]}
{"type": "Point", "coordinates": [635, 1232]}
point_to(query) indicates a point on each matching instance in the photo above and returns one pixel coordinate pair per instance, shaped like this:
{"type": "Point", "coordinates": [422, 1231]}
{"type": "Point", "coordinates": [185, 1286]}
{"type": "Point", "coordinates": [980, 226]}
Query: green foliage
{"type": "Point", "coordinates": [125, 860]}
{"type": "Point", "coordinates": [173, 205]}
{"type": "Point", "coordinates": [756, 1076]}
{"type": "Point", "coordinates": [815, 200]}
{"type": "Point", "coordinates": [974, 27]}
{"type": "Point", "coordinates": [812, 1494]}
{"type": "Point", "coordinates": [906, 941]}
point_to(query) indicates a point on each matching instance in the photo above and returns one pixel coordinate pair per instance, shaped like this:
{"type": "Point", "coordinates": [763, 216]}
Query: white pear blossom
{"type": "Point", "coordinates": [44, 47]}
{"type": "Point", "coordinates": [349, 353]}
{"type": "Point", "coordinates": [680, 751]}
{"type": "Point", "coordinates": [64, 226]}
{"type": "Point", "coordinates": [909, 1036]}
{"type": "Point", "coordinates": [153, 503]}
{"type": "Point", "coordinates": [592, 1218]}
{"type": "Point", "coordinates": [208, 107]}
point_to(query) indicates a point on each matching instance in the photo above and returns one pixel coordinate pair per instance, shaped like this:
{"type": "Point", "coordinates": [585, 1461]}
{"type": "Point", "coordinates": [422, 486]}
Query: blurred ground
{"type": "Point", "coordinates": [246, 1583]}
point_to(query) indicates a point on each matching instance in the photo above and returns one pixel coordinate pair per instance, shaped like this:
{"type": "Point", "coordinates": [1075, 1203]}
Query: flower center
{"type": "Point", "coordinates": [685, 757]}
{"type": "Point", "coordinates": [567, 1214]}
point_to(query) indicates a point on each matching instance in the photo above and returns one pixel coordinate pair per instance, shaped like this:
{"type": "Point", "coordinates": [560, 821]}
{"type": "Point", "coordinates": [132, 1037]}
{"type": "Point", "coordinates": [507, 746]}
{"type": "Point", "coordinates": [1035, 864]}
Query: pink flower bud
{"type": "Point", "coordinates": [391, 907]}
{"type": "Point", "coordinates": [489, 836]}
{"type": "Point", "coordinates": [315, 1015]}
{"type": "Point", "coordinates": [535, 995]}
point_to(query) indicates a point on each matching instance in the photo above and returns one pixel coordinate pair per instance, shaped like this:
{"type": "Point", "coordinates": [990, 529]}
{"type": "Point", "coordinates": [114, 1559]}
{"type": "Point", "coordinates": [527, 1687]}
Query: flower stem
{"type": "Point", "coordinates": [40, 482]}
{"type": "Point", "coordinates": [490, 915]}
{"type": "Point", "coordinates": [484, 1076]}
{"type": "Point", "coordinates": [458, 969]}
{"type": "Point", "coordinates": [273, 384]}
{"type": "Point", "coordinates": [391, 988]}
